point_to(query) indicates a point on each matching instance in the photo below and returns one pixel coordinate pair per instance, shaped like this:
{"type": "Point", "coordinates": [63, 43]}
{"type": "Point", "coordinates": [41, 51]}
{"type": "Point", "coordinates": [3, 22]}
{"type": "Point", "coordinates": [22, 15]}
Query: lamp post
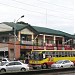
{"type": "Point", "coordinates": [15, 36]}
{"type": "Point", "coordinates": [19, 18]}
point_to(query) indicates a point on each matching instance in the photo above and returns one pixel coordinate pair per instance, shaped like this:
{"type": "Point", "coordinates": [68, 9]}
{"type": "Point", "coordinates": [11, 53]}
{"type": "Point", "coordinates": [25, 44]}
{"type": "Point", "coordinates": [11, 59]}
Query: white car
{"type": "Point", "coordinates": [14, 66]}
{"type": "Point", "coordinates": [62, 64]}
{"type": "Point", "coordinates": [4, 61]}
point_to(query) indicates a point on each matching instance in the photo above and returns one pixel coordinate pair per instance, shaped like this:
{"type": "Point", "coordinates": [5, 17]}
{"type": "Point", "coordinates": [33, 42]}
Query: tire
{"type": "Point", "coordinates": [71, 66]}
{"type": "Point", "coordinates": [34, 67]}
{"type": "Point", "coordinates": [3, 70]}
{"type": "Point", "coordinates": [44, 66]}
{"type": "Point", "coordinates": [61, 66]}
{"type": "Point", "coordinates": [23, 69]}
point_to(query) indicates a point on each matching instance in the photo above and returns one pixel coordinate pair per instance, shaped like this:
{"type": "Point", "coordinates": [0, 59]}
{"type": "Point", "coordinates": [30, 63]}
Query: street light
{"type": "Point", "coordinates": [19, 18]}
{"type": "Point", "coordinates": [15, 35]}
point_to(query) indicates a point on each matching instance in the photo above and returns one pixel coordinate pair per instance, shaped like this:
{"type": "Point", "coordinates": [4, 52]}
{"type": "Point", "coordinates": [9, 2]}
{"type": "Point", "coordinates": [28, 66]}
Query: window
{"type": "Point", "coordinates": [17, 63]}
{"type": "Point", "coordinates": [51, 42]}
{"type": "Point", "coordinates": [10, 64]}
{"type": "Point", "coordinates": [25, 37]}
{"type": "Point", "coordinates": [66, 61]}
{"type": "Point", "coordinates": [4, 39]}
{"type": "Point", "coordinates": [60, 41]}
{"type": "Point", "coordinates": [47, 41]}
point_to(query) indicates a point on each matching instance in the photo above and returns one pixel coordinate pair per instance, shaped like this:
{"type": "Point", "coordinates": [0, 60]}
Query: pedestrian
{"type": "Point", "coordinates": [27, 61]}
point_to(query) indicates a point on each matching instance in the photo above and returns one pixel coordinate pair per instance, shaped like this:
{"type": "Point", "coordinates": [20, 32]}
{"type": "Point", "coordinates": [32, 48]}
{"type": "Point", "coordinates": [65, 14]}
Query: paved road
{"type": "Point", "coordinates": [70, 73]}
{"type": "Point", "coordinates": [67, 74]}
{"type": "Point", "coordinates": [58, 74]}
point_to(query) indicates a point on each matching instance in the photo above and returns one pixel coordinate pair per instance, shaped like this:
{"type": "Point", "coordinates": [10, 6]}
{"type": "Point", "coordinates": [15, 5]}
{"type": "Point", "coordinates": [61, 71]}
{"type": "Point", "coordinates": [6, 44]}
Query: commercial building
{"type": "Point", "coordinates": [21, 38]}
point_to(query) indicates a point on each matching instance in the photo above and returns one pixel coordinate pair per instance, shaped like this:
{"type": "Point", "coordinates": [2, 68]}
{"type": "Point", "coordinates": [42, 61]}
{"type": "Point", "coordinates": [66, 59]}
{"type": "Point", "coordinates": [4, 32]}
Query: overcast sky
{"type": "Point", "coordinates": [54, 14]}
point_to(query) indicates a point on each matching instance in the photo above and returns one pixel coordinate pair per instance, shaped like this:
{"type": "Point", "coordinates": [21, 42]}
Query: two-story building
{"type": "Point", "coordinates": [30, 38]}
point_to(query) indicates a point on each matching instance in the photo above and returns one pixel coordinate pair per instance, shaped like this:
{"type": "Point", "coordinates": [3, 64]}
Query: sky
{"type": "Point", "coordinates": [54, 14]}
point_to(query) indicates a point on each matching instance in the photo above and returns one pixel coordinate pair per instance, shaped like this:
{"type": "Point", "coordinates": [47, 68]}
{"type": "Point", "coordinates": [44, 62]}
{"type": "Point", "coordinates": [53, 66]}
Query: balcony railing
{"type": "Point", "coordinates": [26, 42]}
{"type": "Point", "coordinates": [36, 46]}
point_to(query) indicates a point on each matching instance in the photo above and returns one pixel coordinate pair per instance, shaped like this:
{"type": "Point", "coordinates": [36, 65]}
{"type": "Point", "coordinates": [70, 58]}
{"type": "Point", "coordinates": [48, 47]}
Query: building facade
{"type": "Point", "coordinates": [30, 38]}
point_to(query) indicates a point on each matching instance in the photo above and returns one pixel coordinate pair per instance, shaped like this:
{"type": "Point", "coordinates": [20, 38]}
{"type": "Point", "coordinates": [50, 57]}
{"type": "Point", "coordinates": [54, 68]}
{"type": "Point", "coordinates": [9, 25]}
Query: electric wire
{"type": "Point", "coordinates": [33, 11]}
{"type": "Point", "coordinates": [39, 7]}
{"type": "Point", "coordinates": [55, 4]}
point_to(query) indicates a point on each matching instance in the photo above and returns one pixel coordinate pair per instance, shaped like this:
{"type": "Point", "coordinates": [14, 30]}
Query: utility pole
{"type": "Point", "coordinates": [15, 36]}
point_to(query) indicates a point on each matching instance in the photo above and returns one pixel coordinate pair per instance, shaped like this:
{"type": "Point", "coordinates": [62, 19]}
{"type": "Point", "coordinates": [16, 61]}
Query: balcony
{"type": "Point", "coordinates": [37, 46]}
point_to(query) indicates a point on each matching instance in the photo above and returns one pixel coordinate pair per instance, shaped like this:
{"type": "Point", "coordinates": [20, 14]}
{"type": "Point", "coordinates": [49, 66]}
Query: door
{"type": "Point", "coordinates": [9, 66]}
{"type": "Point", "coordinates": [66, 63]}
{"type": "Point", "coordinates": [17, 66]}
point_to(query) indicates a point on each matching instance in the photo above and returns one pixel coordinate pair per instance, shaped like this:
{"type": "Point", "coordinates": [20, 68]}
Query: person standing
{"type": "Point", "coordinates": [27, 60]}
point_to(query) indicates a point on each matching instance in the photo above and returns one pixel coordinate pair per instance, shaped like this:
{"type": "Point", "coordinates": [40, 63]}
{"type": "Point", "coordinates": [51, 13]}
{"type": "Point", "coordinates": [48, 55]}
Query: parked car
{"type": "Point", "coordinates": [4, 60]}
{"type": "Point", "coordinates": [62, 64]}
{"type": "Point", "coordinates": [14, 66]}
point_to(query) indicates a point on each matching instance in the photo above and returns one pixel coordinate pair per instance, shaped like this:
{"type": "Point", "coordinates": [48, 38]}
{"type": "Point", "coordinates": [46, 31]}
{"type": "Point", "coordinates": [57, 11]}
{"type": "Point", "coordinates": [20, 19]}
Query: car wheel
{"type": "Point", "coordinates": [61, 66]}
{"type": "Point", "coordinates": [23, 69]}
{"type": "Point", "coordinates": [71, 66]}
{"type": "Point", "coordinates": [3, 70]}
{"type": "Point", "coordinates": [44, 66]}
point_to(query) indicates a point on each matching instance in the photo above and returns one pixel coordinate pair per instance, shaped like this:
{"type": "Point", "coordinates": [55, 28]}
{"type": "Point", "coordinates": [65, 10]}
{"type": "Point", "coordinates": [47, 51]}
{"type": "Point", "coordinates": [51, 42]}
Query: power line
{"type": "Point", "coordinates": [54, 4]}
{"type": "Point", "coordinates": [38, 6]}
{"type": "Point", "coordinates": [20, 8]}
{"type": "Point", "coordinates": [33, 11]}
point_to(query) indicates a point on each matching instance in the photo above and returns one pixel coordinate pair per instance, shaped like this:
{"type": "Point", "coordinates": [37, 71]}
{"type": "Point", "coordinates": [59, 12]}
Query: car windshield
{"type": "Point", "coordinates": [59, 62]}
{"type": "Point", "coordinates": [4, 63]}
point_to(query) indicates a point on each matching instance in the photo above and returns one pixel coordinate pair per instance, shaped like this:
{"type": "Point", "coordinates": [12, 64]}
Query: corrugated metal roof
{"type": "Point", "coordinates": [39, 30]}
{"type": "Point", "coordinates": [16, 25]}
{"type": "Point", "coordinates": [51, 31]}
{"type": "Point", "coordinates": [4, 27]}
